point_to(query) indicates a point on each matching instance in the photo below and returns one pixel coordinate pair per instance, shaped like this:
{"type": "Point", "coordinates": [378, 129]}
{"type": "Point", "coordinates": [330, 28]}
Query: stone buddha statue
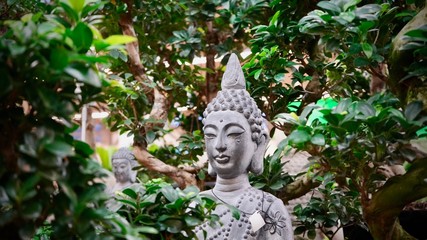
{"type": "Point", "coordinates": [123, 161]}
{"type": "Point", "coordinates": [236, 139]}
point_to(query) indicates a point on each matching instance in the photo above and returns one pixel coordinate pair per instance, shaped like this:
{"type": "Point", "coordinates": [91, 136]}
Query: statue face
{"type": "Point", "coordinates": [122, 170]}
{"type": "Point", "coordinates": [228, 143]}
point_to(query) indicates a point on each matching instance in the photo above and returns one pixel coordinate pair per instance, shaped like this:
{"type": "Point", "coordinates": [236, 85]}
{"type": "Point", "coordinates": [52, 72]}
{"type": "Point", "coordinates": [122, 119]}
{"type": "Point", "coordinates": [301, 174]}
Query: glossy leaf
{"type": "Point", "coordinates": [318, 139]}
{"type": "Point", "coordinates": [192, 221]}
{"type": "Point", "coordinates": [367, 49]}
{"type": "Point", "coordinates": [60, 148]}
{"type": "Point", "coordinates": [131, 193]}
{"type": "Point", "coordinates": [299, 136]}
{"type": "Point", "coordinates": [119, 39]}
{"type": "Point", "coordinates": [84, 75]}
{"type": "Point", "coordinates": [59, 58]}
{"type": "Point", "coordinates": [82, 37]}
{"type": "Point", "coordinates": [169, 193]}
{"type": "Point", "coordinates": [413, 109]}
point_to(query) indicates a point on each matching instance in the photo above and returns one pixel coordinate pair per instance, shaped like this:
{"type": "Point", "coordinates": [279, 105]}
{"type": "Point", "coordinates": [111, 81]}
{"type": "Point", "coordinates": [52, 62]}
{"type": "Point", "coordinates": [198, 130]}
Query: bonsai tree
{"type": "Point", "coordinates": [344, 52]}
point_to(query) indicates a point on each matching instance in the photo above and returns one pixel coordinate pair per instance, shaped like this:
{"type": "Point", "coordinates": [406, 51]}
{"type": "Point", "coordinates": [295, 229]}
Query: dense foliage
{"type": "Point", "coordinates": [162, 212]}
{"type": "Point", "coordinates": [366, 58]}
{"type": "Point", "coordinates": [49, 70]}
{"type": "Point", "coordinates": [343, 52]}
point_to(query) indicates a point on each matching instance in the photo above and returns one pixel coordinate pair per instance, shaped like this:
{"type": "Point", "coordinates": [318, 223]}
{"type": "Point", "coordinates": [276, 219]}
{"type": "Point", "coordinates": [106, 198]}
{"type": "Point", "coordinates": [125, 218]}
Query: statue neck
{"type": "Point", "coordinates": [240, 182]}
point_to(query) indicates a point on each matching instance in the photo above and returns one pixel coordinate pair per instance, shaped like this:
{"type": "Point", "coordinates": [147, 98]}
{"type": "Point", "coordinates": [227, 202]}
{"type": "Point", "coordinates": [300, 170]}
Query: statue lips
{"type": "Point", "coordinates": [222, 159]}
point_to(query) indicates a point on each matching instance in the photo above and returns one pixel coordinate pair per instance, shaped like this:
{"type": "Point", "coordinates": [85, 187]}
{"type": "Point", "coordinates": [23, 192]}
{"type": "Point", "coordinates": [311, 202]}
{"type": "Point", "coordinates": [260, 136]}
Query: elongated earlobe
{"type": "Point", "coordinates": [211, 171]}
{"type": "Point", "coordinates": [133, 176]}
{"type": "Point", "coordinates": [133, 173]}
{"type": "Point", "coordinates": [257, 161]}
{"type": "Point", "coordinates": [257, 166]}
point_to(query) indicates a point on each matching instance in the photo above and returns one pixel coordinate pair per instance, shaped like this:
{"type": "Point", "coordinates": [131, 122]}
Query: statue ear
{"type": "Point", "coordinates": [211, 171]}
{"type": "Point", "coordinates": [133, 174]}
{"type": "Point", "coordinates": [257, 161]}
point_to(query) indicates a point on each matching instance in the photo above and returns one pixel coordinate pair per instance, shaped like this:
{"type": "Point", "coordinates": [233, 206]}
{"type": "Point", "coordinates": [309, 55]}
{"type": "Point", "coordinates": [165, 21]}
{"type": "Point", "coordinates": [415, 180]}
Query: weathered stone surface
{"type": "Point", "coordinates": [236, 138]}
{"type": "Point", "coordinates": [122, 162]}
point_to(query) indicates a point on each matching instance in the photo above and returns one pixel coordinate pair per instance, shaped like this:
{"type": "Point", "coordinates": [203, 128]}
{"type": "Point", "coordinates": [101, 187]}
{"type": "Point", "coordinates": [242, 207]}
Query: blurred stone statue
{"type": "Point", "coordinates": [236, 138]}
{"type": "Point", "coordinates": [123, 161]}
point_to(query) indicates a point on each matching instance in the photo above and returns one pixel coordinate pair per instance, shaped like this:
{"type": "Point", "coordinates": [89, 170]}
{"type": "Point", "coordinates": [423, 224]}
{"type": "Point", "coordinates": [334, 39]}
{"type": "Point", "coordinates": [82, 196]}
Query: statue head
{"type": "Point", "coordinates": [122, 162]}
{"type": "Point", "coordinates": [235, 134]}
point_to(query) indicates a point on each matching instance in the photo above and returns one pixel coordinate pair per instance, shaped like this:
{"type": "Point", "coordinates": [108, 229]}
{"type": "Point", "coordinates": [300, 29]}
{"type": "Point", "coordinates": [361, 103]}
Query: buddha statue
{"type": "Point", "coordinates": [123, 161]}
{"type": "Point", "coordinates": [236, 139]}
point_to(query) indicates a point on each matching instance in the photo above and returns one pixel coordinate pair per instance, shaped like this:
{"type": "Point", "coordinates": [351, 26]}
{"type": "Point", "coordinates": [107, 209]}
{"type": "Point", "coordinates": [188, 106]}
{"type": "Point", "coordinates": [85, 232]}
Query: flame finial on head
{"type": "Point", "coordinates": [233, 77]}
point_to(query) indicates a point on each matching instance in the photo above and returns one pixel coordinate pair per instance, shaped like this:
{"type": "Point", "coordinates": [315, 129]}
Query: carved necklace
{"type": "Point", "coordinates": [262, 203]}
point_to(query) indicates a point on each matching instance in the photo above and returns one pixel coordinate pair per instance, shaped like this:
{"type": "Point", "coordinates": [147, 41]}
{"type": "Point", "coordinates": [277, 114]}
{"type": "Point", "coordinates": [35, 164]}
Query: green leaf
{"type": "Point", "coordinates": [84, 74]}
{"type": "Point", "coordinates": [77, 5]}
{"type": "Point", "coordinates": [174, 225]}
{"type": "Point", "coordinates": [235, 212]}
{"type": "Point", "coordinates": [192, 221]}
{"type": "Point", "coordinates": [299, 230]}
{"type": "Point", "coordinates": [273, 20]}
{"type": "Point", "coordinates": [16, 49]}
{"type": "Point", "coordinates": [82, 37]}
{"type": "Point", "coordinates": [367, 49]}
{"type": "Point", "coordinates": [257, 73]}
{"type": "Point", "coordinates": [277, 185]}
{"type": "Point", "coordinates": [350, 3]}
{"type": "Point", "coordinates": [327, 5]}
{"type": "Point", "coordinates": [11, 2]}
{"type": "Point", "coordinates": [83, 148]}
{"type": "Point", "coordinates": [60, 148]}
{"type": "Point", "coordinates": [299, 136]}
{"type": "Point", "coordinates": [28, 189]}
{"type": "Point", "coordinates": [279, 77]}
{"type": "Point", "coordinates": [365, 26]}
{"type": "Point", "coordinates": [342, 106]}
{"type": "Point", "coordinates": [365, 108]}
{"type": "Point", "coordinates": [311, 234]}
{"type": "Point", "coordinates": [145, 229]}
{"type": "Point", "coordinates": [150, 136]}
{"type": "Point", "coordinates": [413, 109]}
{"type": "Point", "coordinates": [318, 139]}
{"type": "Point", "coordinates": [170, 193]}
{"type": "Point", "coordinates": [119, 39]}
{"type": "Point", "coordinates": [100, 44]}
{"type": "Point", "coordinates": [360, 62]}
{"type": "Point", "coordinates": [71, 13]}
{"type": "Point", "coordinates": [68, 190]}
{"type": "Point", "coordinates": [131, 193]}
{"type": "Point", "coordinates": [59, 58]}
{"type": "Point", "coordinates": [201, 175]}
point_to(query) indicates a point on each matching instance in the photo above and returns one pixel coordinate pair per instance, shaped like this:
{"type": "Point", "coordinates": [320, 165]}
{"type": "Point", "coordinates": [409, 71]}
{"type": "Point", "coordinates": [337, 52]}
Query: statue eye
{"type": "Point", "coordinates": [234, 134]}
{"type": "Point", "coordinates": [210, 135]}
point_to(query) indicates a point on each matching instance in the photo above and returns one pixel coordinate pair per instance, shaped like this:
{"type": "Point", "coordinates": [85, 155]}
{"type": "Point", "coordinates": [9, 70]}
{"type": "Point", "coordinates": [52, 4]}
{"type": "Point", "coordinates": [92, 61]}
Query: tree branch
{"type": "Point", "coordinates": [383, 210]}
{"type": "Point", "coordinates": [181, 177]}
{"type": "Point", "coordinates": [158, 112]}
{"type": "Point", "coordinates": [302, 185]}
{"type": "Point", "coordinates": [134, 62]}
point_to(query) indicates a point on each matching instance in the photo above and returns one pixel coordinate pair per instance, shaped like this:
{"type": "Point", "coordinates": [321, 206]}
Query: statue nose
{"type": "Point", "coordinates": [221, 146]}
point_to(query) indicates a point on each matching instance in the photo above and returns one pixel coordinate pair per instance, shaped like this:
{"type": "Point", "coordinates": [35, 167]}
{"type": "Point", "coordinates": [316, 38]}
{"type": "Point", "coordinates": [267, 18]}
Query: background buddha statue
{"type": "Point", "coordinates": [236, 138]}
{"type": "Point", "coordinates": [123, 161]}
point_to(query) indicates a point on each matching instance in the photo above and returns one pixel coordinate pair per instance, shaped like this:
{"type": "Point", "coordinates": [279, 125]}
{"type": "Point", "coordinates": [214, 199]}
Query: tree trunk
{"type": "Point", "coordinates": [382, 211]}
{"type": "Point", "coordinates": [158, 111]}
{"type": "Point", "coordinates": [211, 76]}
{"type": "Point", "coordinates": [400, 60]}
